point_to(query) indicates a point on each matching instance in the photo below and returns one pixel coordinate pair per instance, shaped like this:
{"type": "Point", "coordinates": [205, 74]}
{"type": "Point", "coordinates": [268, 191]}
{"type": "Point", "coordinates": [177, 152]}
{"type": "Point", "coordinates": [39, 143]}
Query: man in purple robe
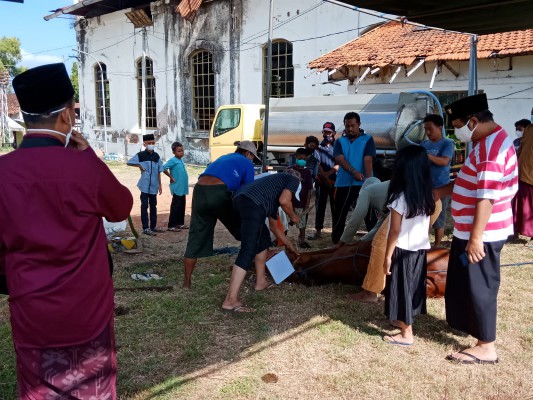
{"type": "Point", "coordinates": [53, 248]}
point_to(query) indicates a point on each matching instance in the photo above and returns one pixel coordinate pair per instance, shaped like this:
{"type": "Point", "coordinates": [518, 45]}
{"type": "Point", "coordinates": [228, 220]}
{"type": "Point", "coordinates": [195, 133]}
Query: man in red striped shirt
{"type": "Point", "coordinates": [483, 219]}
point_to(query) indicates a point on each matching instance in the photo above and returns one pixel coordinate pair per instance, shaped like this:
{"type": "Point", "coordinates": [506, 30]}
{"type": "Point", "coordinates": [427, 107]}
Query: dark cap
{"type": "Point", "coordinates": [467, 106]}
{"type": "Point", "coordinates": [43, 89]}
{"type": "Point", "coordinates": [148, 137]}
{"type": "Point", "coordinates": [329, 126]}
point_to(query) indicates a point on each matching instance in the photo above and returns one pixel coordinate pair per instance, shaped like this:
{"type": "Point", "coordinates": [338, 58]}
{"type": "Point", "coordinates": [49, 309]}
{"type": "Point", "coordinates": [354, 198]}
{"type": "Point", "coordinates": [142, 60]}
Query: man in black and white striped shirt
{"type": "Point", "coordinates": [254, 203]}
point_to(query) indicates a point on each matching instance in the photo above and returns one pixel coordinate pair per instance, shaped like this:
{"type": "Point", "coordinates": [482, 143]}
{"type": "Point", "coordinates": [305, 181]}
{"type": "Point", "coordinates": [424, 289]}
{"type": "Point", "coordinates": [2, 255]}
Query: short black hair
{"type": "Point", "coordinates": [435, 119]}
{"type": "Point", "coordinates": [352, 115]}
{"type": "Point", "coordinates": [47, 118]}
{"type": "Point", "coordinates": [311, 139]}
{"type": "Point", "coordinates": [524, 123]}
{"type": "Point", "coordinates": [301, 150]}
{"type": "Point", "coordinates": [175, 145]}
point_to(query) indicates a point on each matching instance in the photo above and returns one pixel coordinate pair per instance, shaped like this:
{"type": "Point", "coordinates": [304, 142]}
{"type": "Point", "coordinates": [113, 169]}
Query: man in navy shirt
{"type": "Point", "coordinates": [151, 166]}
{"type": "Point", "coordinates": [254, 203]}
{"type": "Point", "coordinates": [440, 153]}
{"type": "Point", "coordinates": [211, 201]}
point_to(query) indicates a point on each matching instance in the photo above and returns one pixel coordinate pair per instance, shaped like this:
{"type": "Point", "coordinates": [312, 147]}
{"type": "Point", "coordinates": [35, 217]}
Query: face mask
{"type": "Point", "coordinates": [67, 136]}
{"type": "Point", "coordinates": [150, 147]}
{"type": "Point", "coordinates": [300, 163]}
{"type": "Point", "coordinates": [464, 134]}
{"type": "Point", "coordinates": [518, 134]}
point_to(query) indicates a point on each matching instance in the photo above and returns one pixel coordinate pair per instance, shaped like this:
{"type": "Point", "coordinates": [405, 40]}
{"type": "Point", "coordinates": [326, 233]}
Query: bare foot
{"type": "Point", "coordinates": [364, 296]}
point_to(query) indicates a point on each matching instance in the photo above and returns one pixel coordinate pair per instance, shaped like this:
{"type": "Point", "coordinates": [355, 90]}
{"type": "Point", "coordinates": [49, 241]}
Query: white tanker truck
{"type": "Point", "coordinates": [393, 120]}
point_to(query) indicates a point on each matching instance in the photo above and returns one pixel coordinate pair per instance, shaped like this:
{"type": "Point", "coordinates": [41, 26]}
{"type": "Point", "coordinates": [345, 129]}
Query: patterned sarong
{"type": "Point", "coordinates": [86, 371]}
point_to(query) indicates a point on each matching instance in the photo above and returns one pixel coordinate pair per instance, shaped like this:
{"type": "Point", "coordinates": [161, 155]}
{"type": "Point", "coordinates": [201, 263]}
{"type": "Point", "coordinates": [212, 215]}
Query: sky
{"type": "Point", "coordinates": [41, 42]}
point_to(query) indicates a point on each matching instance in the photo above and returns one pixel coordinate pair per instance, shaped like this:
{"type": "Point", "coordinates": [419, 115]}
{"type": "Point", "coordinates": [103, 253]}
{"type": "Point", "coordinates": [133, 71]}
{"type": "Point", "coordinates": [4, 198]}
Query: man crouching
{"type": "Point", "coordinates": [254, 203]}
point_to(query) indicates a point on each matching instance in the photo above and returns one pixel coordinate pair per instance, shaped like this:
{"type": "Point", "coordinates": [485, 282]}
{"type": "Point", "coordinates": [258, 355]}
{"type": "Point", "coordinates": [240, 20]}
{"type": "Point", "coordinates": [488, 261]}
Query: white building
{"type": "Point", "coordinates": [406, 57]}
{"type": "Point", "coordinates": [199, 55]}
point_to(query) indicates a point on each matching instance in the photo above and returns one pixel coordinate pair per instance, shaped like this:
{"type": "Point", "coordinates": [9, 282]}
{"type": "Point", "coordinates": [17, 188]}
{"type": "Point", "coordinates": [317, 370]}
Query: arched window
{"type": "Point", "coordinates": [203, 89]}
{"type": "Point", "coordinates": [151, 117]}
{"type": "Point", "coordinates": [99, 77]}
{"type": "Point", "coordinates": [282, 70]}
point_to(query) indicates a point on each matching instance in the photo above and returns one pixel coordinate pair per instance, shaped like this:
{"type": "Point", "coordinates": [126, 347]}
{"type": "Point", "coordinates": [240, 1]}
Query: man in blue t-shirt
{"type": "Point", "coordinates": [354, 152]}
{"type": "Point", "coordinates": [212, 201]}
{"type": "Point", "coordinates": [440, 153]}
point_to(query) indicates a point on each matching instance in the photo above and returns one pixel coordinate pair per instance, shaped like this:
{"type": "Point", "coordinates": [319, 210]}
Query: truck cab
{"type": "Point", "coordinates": [232, 124]}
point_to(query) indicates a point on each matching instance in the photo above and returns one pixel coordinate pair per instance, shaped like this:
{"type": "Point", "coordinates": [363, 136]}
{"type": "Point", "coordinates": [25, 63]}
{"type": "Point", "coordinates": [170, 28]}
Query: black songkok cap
{"type": "Point", "coordinates": [467, 106]}
{"type": "Point", "coordinates": [148, 137]}
{"type": "Point", "coordinates": [43, 89]}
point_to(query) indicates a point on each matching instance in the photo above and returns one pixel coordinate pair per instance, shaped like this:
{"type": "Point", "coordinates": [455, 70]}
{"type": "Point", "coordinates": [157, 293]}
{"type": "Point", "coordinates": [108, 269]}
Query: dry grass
{"type": "Point", "coordinates": [179, 345]}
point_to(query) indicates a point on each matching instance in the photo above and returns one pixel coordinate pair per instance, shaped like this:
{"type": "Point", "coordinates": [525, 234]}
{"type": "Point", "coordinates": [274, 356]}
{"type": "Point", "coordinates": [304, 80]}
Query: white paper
{"type": "Point", "coordinates": [280, 267]}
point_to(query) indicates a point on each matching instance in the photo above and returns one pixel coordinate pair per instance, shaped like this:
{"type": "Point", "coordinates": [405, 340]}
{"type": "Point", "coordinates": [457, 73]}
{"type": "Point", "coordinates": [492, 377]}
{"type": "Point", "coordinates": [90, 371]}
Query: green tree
{"type": "Point", "coordinates": [10, 55]}
{"type": "Point", "coordinates": [74, 80]}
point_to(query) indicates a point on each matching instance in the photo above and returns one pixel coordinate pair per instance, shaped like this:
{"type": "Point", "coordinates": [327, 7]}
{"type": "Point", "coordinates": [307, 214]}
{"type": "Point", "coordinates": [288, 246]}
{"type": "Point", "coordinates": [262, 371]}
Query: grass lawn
{"type": "Point", "coordinates": [302, 343]}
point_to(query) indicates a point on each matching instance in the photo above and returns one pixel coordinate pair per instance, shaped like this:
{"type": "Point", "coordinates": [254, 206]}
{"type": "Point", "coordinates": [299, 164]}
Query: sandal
{"type": "Point", "coordinates": [183, 227]}
{"type": "Point", "coordinates": [158, 229]}
{"type": "Point", "coordinates": [304, 245]}
{"type": "Point", "coordinates": [174, 229]}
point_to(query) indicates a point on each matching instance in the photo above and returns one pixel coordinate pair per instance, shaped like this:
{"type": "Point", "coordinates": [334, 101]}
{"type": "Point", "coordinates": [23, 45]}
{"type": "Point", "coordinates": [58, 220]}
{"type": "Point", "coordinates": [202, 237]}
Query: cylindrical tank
{"type": "Point", "coordinates": [385, 116]}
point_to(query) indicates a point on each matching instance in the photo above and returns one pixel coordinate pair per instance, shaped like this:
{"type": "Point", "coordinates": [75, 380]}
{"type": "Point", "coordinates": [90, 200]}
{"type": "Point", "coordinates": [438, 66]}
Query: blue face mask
{"type": "Point", "coordinates": [300, 163]}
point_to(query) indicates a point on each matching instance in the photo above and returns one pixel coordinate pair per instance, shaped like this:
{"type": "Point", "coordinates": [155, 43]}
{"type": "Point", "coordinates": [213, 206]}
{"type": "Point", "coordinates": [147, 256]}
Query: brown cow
{"type": "Point", "coordinates": [348, 265]}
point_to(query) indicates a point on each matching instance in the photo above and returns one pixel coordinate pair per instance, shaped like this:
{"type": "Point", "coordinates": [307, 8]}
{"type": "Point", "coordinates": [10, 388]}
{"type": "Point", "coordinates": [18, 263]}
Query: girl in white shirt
{"type": "Point", "coordinates": [411, 203]}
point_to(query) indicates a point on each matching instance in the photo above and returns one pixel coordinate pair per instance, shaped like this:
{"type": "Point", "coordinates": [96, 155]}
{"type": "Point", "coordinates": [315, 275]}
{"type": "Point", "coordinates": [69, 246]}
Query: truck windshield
{"type": "Point", "coordinates": [227, 120]}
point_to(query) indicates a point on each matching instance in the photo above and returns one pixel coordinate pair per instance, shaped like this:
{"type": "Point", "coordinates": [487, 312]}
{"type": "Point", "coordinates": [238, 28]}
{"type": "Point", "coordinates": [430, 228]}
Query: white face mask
{"type": "Point", "coordinates": [67, 136]}
{"type": "Point", "coordinates": [150, 147]}
{"type": "Point", "coordinates": [519, 134]}
{"type": "Point", "coordinates": [464, 134]}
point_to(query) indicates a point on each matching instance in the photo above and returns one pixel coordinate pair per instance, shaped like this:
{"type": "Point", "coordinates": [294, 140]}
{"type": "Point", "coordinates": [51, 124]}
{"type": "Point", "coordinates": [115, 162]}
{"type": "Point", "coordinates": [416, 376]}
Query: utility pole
{"type": "Point", "coordinates": [4, 126]}
{"type": "Point", "coordinates": [268, 88]}
{"type": "Point", "coordinates": [143, 85]}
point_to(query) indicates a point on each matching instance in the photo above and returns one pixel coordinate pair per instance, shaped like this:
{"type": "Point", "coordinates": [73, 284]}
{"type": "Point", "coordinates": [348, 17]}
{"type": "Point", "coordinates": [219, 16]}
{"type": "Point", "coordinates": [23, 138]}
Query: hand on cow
{"type": "Point", "coordinates": [386, 266]}
{"type": "Point", "coordinates": [291, 248]}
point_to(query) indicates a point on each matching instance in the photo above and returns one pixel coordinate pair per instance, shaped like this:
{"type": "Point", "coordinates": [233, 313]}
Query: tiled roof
{"type": "Point", "coordinates": [188, 8]}
{"type": "Point", "coordinates": [396, 44]}
{"type": "Point", "coordinates": [13, 106]}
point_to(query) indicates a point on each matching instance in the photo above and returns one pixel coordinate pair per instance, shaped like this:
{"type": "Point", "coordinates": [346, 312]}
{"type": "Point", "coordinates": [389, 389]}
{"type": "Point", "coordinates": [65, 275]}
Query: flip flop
{"type": "Point", "coordinates": [473, 359]}
{"type": "Point", "coordinates": [145, 276]}
{"type": "Point", "coordinates": [239, 309]}
{"type": "Point", "coordinates": [183, 227]}
{"type": "Point", "coordinates": [139, 277]}
{"type": "Point", "coordinates": [158, 229]}
{"type": "Point", "coordinates": [174, 229]}
{"type": "Point", "coordinates": [393, 341]}
{"type": "Point", "coordinates": [269, 287]}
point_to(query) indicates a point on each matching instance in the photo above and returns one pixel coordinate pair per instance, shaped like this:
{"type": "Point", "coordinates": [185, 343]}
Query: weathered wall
{"type": "Point", "coordinates": [234, 31]}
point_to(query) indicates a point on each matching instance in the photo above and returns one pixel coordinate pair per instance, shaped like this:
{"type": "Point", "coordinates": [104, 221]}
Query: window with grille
{"type": "Point", "coordinates": [203, 89]}
{"type": "Point", "coordinates": [282, 83]}
{"type": "Point", "coordinates": [101, 76]}
{"type": "Point", "coordinates": [151, 117]}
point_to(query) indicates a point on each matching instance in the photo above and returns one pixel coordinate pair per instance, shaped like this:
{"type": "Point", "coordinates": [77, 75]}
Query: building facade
{"type": "Point", "coordinates": [195, 62]}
